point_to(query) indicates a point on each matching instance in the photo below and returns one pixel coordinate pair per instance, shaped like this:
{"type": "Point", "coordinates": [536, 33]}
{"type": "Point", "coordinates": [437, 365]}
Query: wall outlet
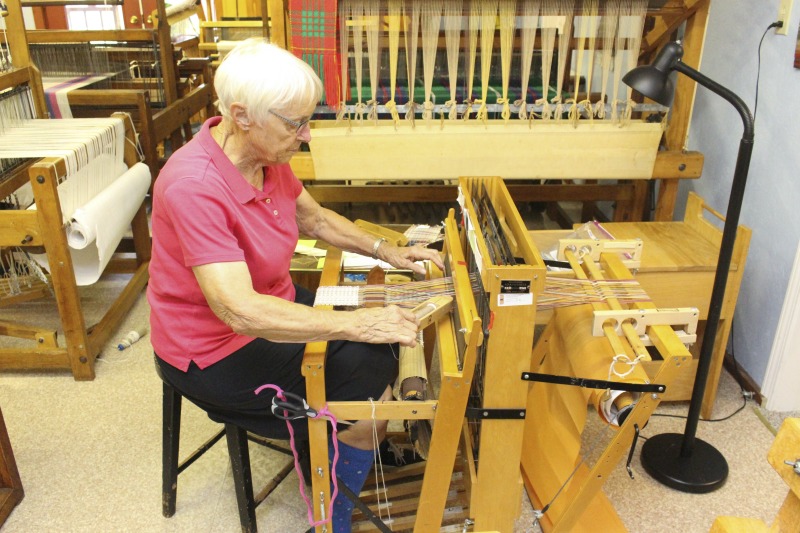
{"type": "Point", "coordinates": [784, 13]}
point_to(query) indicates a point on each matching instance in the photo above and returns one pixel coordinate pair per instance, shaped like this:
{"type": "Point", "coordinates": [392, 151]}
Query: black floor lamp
{"type": "Point", "coordinates": [685, 462]}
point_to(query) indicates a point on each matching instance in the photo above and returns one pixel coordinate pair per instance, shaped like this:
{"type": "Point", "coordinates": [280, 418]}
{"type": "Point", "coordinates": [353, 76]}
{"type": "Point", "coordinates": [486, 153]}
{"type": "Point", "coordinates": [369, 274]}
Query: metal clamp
{"type": "Point", "coordinates": [795, 466]}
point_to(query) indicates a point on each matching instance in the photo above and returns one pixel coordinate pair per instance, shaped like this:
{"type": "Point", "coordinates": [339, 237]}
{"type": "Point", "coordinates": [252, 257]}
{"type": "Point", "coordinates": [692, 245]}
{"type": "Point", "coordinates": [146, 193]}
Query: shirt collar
{"type": "Point", "coordinates": [241, 188]}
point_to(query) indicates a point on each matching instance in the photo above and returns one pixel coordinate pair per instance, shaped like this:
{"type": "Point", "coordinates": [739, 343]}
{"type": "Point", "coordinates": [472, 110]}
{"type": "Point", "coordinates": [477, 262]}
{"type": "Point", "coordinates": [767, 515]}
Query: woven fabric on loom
{"type": "Point", "coordinates": [402, 294]}
{"type": "Point", "coordinates": [424, 234]}
{"type": "Point", "coordinates": [313, 24]}
{"type": "Point", "coordinates": [561, 292]}
{"type": "Point", "coordinates": [558, 292]}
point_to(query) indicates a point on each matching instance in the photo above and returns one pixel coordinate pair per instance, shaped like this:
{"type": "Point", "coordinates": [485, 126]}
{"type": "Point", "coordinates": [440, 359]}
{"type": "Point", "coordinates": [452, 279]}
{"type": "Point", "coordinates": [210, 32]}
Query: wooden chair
{"type": "Point", "coordinates": [238, 449]}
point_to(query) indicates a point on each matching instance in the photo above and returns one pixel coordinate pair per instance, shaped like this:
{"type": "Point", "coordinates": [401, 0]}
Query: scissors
{"type": "Point", "coordinates": [293, 407]}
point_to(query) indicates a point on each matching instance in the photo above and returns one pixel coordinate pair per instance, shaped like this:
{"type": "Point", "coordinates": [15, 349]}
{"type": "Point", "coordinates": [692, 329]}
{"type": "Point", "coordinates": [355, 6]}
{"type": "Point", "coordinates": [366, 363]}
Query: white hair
{"type": "Point", "coordinates": [263, 76]}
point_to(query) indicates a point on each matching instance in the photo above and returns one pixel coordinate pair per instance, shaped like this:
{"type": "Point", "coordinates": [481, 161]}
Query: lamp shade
{"type": "Point", "coordinates": [653, 81]}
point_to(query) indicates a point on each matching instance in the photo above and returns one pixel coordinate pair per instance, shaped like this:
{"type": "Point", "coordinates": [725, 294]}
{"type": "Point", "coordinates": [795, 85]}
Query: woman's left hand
{"type": "Point", "coordinates": [404, 257]}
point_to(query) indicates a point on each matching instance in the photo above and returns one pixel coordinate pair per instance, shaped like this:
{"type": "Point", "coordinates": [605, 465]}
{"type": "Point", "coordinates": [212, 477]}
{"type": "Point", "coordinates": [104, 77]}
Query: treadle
{"type": "Point", "coordinates": [403, 485]}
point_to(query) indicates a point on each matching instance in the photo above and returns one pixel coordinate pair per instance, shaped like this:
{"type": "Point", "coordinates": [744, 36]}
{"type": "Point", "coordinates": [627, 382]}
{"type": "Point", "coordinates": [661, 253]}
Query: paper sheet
{"type": "Point", "coordinates": [306, 247]}
{"type": "Point", "coordinates": [97, 228]}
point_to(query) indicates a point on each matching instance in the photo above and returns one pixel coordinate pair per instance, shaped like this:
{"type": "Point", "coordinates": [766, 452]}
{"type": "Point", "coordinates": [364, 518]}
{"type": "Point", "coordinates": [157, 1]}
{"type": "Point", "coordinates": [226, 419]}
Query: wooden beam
{"type": "Point", "coordinates": [72, 36]}
{"type": "Point", "coordinates": [18, 227]}
{"type": "Point", "coordinates": [669, 164]}
{"type": "Point", "coordinates": [667, 23]}
{"type": "Point", "coordinates": [44, 180]}
{"type": "Point", "coordinates": [172, 117]}
{"type": "Point", "coordinates": [683, 105]}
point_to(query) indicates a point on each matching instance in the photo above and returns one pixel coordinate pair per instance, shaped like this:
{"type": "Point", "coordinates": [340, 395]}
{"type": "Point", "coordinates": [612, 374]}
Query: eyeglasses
{"type": "Point", "coordinates": [297, 124]}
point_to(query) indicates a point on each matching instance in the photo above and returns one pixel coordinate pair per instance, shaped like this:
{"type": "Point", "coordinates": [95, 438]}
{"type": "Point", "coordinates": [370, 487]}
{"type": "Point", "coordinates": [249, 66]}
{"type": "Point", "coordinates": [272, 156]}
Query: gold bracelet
{"type": "Point", "coordinates": [376, 246]}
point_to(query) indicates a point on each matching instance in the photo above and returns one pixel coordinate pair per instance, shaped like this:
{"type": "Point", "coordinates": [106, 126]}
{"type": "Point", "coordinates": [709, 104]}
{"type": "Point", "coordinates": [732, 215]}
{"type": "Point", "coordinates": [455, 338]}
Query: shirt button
{"type": "Point", "coordinates": [268, 200]}
{"type": "Point", "coordinates": [275, 212]}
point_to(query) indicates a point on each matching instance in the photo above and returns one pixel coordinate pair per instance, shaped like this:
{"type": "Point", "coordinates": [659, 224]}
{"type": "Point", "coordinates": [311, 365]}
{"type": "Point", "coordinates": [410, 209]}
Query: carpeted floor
{"type": "Point", "coordinates": [89, 454]}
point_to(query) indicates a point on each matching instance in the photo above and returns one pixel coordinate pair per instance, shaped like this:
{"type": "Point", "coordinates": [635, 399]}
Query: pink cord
{"type": "Point", "coordinates": [324, 413]}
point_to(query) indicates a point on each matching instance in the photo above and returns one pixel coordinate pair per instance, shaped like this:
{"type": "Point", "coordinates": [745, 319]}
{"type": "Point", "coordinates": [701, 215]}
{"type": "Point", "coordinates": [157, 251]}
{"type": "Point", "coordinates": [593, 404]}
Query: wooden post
{"type": "Point", "coordinates": [278, 31]}
{"type": "Point", "coordinates": [681, 115]}
{"type": "Point", "coordinates": [11, 491]}
{"type": "Point", "coordinates": [44, 181]}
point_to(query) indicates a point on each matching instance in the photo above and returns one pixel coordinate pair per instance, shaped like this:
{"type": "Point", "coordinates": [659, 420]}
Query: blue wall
{"type": "Point", "coordinates": [772, 199]}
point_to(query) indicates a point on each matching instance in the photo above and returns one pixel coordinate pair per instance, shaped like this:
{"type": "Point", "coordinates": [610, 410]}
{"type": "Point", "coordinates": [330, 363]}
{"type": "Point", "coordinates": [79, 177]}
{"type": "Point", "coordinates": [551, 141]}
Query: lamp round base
{"type": "Point", "coordinates": [705, 470]}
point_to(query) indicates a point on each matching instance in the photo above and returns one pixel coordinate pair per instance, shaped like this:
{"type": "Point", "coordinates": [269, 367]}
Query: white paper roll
{"type": "Point", "coordinates": [97, 228]}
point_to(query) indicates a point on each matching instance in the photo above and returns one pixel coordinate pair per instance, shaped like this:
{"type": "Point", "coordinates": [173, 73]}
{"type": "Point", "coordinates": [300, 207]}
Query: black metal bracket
{"type": "Point", "coordinates": [495, 414]}
{"type": "Point", "coordinates": [633, 447]}
{"type": "Point", "coordinates": [556, 264]}
{"type": "Point", "coordinates": [361, 506]}
{"type": "Point", "coordinates": [594, 383]}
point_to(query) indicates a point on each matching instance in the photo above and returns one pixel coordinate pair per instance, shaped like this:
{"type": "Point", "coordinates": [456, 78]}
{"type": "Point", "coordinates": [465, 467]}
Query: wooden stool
{"type": "Point", "coordinates": [238, 450]}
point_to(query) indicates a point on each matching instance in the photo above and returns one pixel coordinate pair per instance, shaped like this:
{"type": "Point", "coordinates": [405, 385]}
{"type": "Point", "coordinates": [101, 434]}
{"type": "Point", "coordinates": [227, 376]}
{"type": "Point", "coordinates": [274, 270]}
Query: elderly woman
{"type": "Point", "coordinates": [225, 316]}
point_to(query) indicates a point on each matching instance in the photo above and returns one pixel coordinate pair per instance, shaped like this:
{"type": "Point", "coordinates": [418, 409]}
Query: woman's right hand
{"type": "Point", "coordinates": [385, 325]}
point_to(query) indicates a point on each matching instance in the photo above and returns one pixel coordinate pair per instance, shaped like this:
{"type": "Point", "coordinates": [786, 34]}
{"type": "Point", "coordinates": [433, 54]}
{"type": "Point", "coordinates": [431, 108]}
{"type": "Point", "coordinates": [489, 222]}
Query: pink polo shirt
{"type": "Point", "coordinates": [204, 211]}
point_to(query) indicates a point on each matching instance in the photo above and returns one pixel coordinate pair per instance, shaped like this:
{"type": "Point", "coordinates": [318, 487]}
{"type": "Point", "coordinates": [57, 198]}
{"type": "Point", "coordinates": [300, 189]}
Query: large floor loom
{"type": "Point", "coordinates": [527, 89]}
{"type": "Point", "coordinates": [505, 405]}
{"type": "Point", "coordinates": [43, 230]}
{"type": "Point", "coordinates": [158, 80]}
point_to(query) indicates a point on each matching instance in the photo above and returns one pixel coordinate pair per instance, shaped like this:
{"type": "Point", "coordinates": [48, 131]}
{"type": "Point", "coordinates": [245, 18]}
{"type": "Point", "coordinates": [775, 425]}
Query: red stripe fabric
{"type": "Point", "coordinates": [313, 27]}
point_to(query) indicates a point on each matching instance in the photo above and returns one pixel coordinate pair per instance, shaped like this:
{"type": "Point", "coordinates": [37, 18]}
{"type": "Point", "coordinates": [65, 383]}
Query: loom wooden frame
{"type": "Point", "coordinates": [44, 228]}
{"type": "Point", "coordinates": [493, 491]}
{"type": "Point", "coordinates": [673, 162]}
{"type": "Point", "coordinates": [153, 124]}
{"type": "Point", "coordinates": [582, 506]}
{"type": "Point", "coordinates": [446, 412]}
{"type": "Point", "coordinates": [630, 197]}
{"type": "Point", "coordinates": [493, 500]}
{"type": "Point", "coordinates": [678, 270]}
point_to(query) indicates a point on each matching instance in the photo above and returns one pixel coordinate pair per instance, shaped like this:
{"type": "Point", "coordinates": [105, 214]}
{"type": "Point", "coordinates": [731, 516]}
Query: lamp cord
{"type": "Point", "coordinates": [737, 377]}
{"type": "Point", "coordinates": [778, 24]}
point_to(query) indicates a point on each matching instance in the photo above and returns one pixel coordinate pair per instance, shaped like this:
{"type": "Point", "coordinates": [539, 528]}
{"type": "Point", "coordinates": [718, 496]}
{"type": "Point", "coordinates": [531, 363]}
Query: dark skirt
{"type": "Point", "coordinates": [354, 371]}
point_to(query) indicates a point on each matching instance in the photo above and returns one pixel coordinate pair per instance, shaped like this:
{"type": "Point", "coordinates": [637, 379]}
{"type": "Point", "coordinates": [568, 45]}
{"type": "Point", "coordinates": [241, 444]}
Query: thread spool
{"type": "Point", "coordinates": [130, 338]}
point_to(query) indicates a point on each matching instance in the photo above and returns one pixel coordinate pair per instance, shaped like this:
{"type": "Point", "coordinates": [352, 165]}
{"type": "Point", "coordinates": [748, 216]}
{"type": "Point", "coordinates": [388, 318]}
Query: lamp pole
{"type": "Point", "coordinates": [684, 462]}
{"type": "Point", "coordinates": [726, 248]}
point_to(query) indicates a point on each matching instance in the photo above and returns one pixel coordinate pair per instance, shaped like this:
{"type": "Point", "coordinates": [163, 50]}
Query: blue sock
{"type": "Point", "coordinates": [352, 470]}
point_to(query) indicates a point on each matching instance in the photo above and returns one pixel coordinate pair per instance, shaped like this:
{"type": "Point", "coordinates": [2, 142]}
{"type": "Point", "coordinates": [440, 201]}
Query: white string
{"type": "Point", "coordinates": [5, 51]}
{"type": "Point", "coordinates": [92, 150]}
{"type": "Point", "coordinates": [136, 144]}
{"type": "Point", "coordinates": [624, 360]}
{"type": "Point", "coordinates": [379, 467]}
{"type": "Point", "coordinates": [528, 26]}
